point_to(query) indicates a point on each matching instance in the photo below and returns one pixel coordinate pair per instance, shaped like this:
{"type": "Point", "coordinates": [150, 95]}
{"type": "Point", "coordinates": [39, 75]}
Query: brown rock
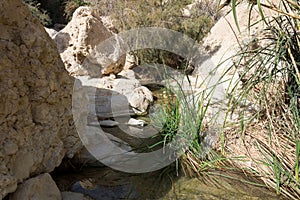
{"type": "Point", "coordinates": [37, 128]}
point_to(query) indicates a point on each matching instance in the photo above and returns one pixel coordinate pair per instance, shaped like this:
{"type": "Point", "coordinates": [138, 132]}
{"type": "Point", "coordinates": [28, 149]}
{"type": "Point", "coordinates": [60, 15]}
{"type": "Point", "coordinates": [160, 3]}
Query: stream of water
{"type": "Point", "coordinates": [103, 183]}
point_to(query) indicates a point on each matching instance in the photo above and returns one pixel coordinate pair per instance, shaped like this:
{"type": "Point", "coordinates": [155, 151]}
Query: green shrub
{"type": "Point", "coordinates": [38, 12]}
{"type": "Point", "coordinates": [158, 13]}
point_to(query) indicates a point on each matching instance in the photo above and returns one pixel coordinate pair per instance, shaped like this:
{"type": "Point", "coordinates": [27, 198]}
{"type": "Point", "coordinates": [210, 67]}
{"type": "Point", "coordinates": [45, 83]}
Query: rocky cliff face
{"type": "Point", "coordinates": [36, 129]}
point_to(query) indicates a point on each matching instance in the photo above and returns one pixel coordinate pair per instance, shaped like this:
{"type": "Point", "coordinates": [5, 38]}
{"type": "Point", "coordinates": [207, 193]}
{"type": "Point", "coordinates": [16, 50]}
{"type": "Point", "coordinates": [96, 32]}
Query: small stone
{"type": "Point", "coordinates": [136, 122]}
{"type": "Point", "coordinates": [131, 61]}
{"type": "Point", "coordinates": [130, 74]}
{"type": "Point", "coordinates": [112, 76]}
{"type": "Point", "coordinates": [140, 99]}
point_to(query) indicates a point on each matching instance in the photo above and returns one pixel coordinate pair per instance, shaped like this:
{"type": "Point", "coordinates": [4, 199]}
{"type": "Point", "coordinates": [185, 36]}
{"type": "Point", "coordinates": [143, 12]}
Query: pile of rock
{"type": "Point", "coordinates": [79, 47]}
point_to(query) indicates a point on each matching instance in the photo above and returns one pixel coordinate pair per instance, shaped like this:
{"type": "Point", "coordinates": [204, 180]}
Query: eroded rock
{"type": "Point", "coordinates": [37, 128]}
{"type": "Point", "coordinates": [78, 46]}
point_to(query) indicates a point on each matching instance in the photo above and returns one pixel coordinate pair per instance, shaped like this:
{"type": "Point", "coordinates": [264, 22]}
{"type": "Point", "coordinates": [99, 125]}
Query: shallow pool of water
{"type": "Point", "coordinates": [107, 184]}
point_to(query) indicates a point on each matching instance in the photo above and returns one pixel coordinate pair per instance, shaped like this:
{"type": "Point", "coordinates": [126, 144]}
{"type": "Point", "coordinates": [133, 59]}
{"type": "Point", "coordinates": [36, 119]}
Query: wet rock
{"type": "Point", "coordinates": [108, 123]}
{"type": "Point", "coordinates": [41, 187]}
{"type": "Point", "coordinates": [98, 146]}
{"type": "Point", "coordinates": [74, 196]}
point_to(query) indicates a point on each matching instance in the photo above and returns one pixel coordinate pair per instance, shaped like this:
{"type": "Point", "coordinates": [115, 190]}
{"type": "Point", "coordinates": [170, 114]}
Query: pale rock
{"type": "Point", "coordinates": [129, 74]}
{"type": "Point", "coordinates": [108, 23]}
{"type": "Point", "coordinates": [224, 39]}
{"type": "Point", "coordinates": [136, 122]}
{"type": "Point", "coordinates": [140, 99]}
{"type": "Point", "coordinates": [79, 46]}
{"type": "Point", "coordinates": [51, 32]}
{"type": "Point", "coordinates": [112, 76]}
{"type": "Point", "coordinates": [131, 60]}
{"type": "Point", "coordinates": [125, 86]}
{"type": "Point", "coordinates": [23, 170]}
{"type": "Point", "coordinates": [222, 44]}
{"type": "Point", "coordinates": [41, 187]}
{"type": "Point", "coordinates": [116, 97]}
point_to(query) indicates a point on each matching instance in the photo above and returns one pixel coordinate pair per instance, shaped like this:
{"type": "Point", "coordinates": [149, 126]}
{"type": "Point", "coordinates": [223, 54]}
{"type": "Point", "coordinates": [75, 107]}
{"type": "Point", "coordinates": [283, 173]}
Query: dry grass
{"type": "Point", "coordinates": [268, 143]}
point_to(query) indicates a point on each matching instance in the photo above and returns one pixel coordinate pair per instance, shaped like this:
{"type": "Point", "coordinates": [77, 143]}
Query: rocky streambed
{"type": "Point", "coordinates": [92, 180]}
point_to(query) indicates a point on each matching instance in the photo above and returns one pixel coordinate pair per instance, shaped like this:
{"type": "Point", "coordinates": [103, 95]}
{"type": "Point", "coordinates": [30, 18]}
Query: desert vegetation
{"type": "Point", "coordinates": [129, 15]}
{"type": "Point", "coordinates": [39, 12]}
{"type": "Point", "coordinates": [51, 12]}
{"type": "Point", "coordinates": [268, 67]}
{"type": "Point", "coordinates": [271, 81]}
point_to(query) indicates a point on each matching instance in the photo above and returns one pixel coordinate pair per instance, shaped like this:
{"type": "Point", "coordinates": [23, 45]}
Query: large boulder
{"type": "Point", "coordinates": [226, 39]}
{"type": "Point", "coordinates": [222, 45]}
{"type": "Point", "coordinates": [37, 128]}
{"type": "Point", "coordinates": [41, 187]}
{"type": "Point", "coordinates": [78, 45]}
